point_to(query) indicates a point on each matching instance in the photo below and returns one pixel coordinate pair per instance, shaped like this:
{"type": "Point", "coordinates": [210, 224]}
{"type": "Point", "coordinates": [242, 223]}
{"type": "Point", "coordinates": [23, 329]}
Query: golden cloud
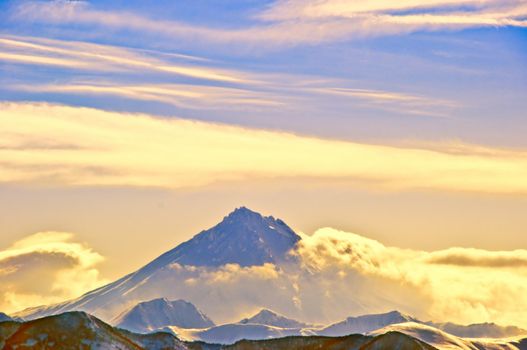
{"type": "Point", "coordinates": [44, 268]}
{"type": "Point", "coordinates": [459, 284]}
{"type": "Point", "coordinates": [339, 274]}
{"type": "Point", "coordinates": [480, 258]}
{"type": "Point", "coordinates": [119, 149]}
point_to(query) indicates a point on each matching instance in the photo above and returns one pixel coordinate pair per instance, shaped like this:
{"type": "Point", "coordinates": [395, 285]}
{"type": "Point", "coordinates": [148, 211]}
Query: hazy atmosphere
{"type": "Point", "coordinates": [389, 135]}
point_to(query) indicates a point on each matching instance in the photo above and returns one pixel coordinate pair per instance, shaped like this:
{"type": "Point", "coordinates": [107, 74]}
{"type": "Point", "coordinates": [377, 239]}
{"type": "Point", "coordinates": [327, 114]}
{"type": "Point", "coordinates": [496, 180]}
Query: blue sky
{"type": "Point", "coordinates": [464, 84]}
{"type": "Point", "coordinates": [440, 75]}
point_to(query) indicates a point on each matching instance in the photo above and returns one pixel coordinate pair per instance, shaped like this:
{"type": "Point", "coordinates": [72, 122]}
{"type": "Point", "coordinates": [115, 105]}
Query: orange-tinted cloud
{"type": "Point", "coordinates": [44, 268]}
{"type": "Point", "coordinates": [465, 257]}
{"type": "Point", "coordinates": [459, 284]}
{"type": "Point", "coordinates": [117, 149]}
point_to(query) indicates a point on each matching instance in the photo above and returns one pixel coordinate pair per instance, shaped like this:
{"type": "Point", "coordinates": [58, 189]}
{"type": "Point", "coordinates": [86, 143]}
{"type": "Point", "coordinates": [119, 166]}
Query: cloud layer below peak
{"type": "Point", "coordinates": [337, 274]}
{"type": "Point", "coordinates": [461, 285]}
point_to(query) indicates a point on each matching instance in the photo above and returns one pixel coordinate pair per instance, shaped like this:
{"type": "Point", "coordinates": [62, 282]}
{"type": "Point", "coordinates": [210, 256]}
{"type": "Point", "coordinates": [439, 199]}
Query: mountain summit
{"type": "Point", "coordinates": [243, 237]}
{"type": "Point", "coordinates": [366, 323]}
{"type": "Point", "coordinates": [157, 313]}
{"type": "Point", "coordinates": [271, 318]}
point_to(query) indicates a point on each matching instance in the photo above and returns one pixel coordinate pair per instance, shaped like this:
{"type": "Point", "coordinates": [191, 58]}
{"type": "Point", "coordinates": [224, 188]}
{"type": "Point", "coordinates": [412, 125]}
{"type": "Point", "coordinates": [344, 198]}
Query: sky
{"type": "Point", "coordinates": [126, 128]}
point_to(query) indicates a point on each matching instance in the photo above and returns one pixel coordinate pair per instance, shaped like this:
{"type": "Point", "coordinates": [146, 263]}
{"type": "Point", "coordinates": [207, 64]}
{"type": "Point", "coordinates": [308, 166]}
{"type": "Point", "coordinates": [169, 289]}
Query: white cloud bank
{"type": "Point", "coordinates": [458, 284]}
{"type": "Point", "coordinates": [343, 274]}
{"type": "Point", "coordinates": [338, 274]}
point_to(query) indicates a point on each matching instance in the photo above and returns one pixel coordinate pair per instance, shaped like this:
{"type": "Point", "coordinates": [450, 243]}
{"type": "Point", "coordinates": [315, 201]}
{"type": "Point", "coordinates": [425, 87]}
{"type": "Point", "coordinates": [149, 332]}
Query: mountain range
{"type": "Point", "coordinates": [152, 299]}
{"type": "Point", "coordinates": [78, 330]}
{"type": "Point", "coordinates": [158, 313]}
{"type": "Point", "coordinates": [365, 323]}
{"type": "Point", "coordinates": [271, 318]}
{"type": "Point", "coordinates": [164, 324]}
{"type": "Point", "coordinates": [165, 316]}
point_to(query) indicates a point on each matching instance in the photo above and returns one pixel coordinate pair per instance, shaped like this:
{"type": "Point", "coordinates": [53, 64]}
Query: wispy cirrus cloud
{"type": "Point", "coordinates": [208, 88]}
{"type": "Point", "coordinates": [396, 101]}
{"type": "Point", "coordinates": [204, 97]}
{"type": "Point", "coordinates": [289, 9]}
{"type": "Point", "coordinates": [188, 96]}
{"type": "Point", "coordinates": [43, 60]}
{"type": "Point", "coordinates": [88, 56]}
{"type": "Point", "coordinates": [291, 22]}
{"type": "Point", "coordinates": [379, 95]}
{"type": "Point", "coordinates": [119, 149]}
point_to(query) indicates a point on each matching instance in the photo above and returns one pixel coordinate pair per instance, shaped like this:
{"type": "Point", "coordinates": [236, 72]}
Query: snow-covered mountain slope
{"type": "Point", "coordinates": [366, 323]}
{"type": "Point", "coordinates": [376, 324]}
{"type": "Point", "coordinates": [396, 341]}
{"type": "Point", "coordinates": [155, 341]}
{"type": "Point", "coordinates": [444, 341]}
{"type": "Point", "coordinates": [391, 341]}
{"type": "Point", "coordinates": [243, 245]}
{"type": "Point", "coordinates": [265, 324]}
{"type": "Point", "coordinates": [480, 330]}
{"type": "Point", "coordinates": [4, 317]}
{"type": "Point", "coordinates": [233, 332]}
{"type": "Point", "coordinates": [157, 313]}
{"type": "Point", "coordinates": [76, 330]}
{"type": "Point", "coordinates": [428, 334]}
{"type": "Point", "coordinates": [244, 237]}
{"type": "Point", "coordinates": [271, 318]}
